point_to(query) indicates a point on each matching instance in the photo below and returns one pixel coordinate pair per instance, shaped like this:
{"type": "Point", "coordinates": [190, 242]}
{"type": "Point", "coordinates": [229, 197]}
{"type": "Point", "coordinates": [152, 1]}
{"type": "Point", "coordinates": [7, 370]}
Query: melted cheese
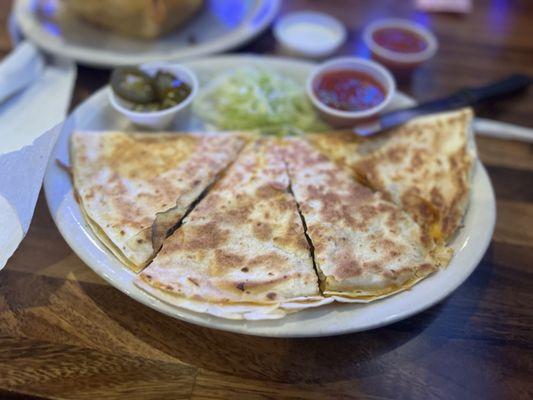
{"type": "Point", "coordinates": [365, 246]}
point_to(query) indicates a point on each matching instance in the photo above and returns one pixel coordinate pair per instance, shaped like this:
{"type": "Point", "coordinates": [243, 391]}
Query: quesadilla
{"type": "Point", "coordinates": [242, 252]}
{"type": "Point", "coordinates": [423, 166]}
{"type": "Point", "coordinates": [134, 188]}
{"type": "Point", "coordinates": [365, 247]}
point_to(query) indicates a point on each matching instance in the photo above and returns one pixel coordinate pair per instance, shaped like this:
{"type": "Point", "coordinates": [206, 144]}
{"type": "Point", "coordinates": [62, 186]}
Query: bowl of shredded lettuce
{"type": "Point", "coordinates": [253, 98]}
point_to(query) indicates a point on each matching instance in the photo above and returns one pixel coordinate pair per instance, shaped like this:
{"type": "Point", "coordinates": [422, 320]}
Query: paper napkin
{"type": "Point", "coordinates": [30, 121]}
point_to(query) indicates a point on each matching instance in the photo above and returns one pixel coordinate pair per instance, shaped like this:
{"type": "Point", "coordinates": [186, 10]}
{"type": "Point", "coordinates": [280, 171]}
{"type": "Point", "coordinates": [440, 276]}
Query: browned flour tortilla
{"type": "Point", "coordinates": [423, 166]}
{"type": "Point", "coordinates": [246, 250]}
{"type": "Point", "coordinates": [133, 188]}
{"type": "Point", "coordinates": [365, 247]}
{"type": "Point", "coordinates": [242, 252]}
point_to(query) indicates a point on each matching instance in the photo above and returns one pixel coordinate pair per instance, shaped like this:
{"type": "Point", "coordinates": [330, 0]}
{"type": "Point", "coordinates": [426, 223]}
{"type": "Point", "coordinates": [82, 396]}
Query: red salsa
{"type": "Point", "coordinates": [400, 40]}
{"type": "Point", "coordinates": [349, 90]}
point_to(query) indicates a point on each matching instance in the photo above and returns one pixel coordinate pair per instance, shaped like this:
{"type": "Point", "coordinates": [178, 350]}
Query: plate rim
{"type": "Point", "coordinates": [241, 35]}
{"type": "Point", "coordinates": [206, 320]}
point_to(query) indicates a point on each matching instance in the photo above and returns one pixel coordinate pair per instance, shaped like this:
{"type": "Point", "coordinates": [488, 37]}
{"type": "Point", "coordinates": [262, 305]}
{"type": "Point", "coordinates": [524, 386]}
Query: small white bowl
{"type": "Point", "coordinates": [309, 34]}
{"type": "Point", "coordinates": [340, 118]}
{"type": "Point", "coordinates": [159, 119]}
{"type": "Point", "coordinates": [394, 58]}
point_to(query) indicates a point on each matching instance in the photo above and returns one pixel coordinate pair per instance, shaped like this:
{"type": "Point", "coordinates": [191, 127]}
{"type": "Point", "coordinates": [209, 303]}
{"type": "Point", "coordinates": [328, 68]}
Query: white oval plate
{"type": "Point", "coordinates": [96, 114]}
{"type": "Point", "coordinates": [220, 26]}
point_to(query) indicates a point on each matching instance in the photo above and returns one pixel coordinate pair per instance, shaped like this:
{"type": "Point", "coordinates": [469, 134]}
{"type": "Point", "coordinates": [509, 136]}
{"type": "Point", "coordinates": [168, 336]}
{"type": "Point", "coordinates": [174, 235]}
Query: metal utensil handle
{"type": "Point", "coordinates": [512, 84]}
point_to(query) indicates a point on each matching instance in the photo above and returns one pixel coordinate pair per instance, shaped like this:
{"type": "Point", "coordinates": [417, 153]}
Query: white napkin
{"type": "Point", "coordinates": [19, 69]}
{"type": "Point", "coordinates": [30, 122]}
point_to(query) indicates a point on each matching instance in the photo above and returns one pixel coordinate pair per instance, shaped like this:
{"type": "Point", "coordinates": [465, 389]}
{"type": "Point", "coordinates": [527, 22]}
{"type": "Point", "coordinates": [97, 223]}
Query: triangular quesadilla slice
{"type": "Point", "coordinates": [242, 252]}
{"type": "Point", "coordinates": [365, 247]}
{"type": "Point", "coordinates": [133, 188]}
{"type": "Point", "coordinates": [423, 166]}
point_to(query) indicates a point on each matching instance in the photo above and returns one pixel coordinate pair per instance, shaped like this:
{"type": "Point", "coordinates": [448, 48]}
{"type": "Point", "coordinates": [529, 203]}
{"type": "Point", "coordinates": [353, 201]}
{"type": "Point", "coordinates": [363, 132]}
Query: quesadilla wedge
{"type": "Point", "coordinates": [424, 166]}
{"type": "Point", "coordinates": [133, 188]}
{"type": "Point", "coordinates": [242, 252]}
{"type": "Point", "coordinates": [365, 247]}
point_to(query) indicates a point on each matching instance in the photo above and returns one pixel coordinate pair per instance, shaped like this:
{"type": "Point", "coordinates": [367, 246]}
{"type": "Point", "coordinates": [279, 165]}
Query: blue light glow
{"type": "Point", "coordinates": [48, 8]}
{"type": "Point", "coordinates": [52, 28]}
{"type": "Point", "coordinates": [229, 12]}
{"type": "Point", "coordinates": [499, 15]}
{"type": "Point", "coordinates": [421, 18]}
{"type": "Point", "coordinates": [360, 49]}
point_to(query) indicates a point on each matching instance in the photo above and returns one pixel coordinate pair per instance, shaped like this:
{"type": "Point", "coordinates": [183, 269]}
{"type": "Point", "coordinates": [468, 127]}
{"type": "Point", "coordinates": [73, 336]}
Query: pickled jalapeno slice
{"type": "Point", "coordinates": [147, 93]}
{"type": "Point", "coordinates": [133, 85]}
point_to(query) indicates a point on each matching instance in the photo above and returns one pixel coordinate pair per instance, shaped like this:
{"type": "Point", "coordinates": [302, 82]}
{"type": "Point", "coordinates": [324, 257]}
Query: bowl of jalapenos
{"type": "Point", "coordinates": [153, 95]}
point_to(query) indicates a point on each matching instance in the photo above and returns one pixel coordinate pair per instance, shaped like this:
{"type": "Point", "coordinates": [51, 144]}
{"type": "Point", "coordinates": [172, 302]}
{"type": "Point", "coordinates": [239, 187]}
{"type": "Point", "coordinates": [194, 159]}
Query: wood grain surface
{"type": "Point", "coordinates": [64, 333]}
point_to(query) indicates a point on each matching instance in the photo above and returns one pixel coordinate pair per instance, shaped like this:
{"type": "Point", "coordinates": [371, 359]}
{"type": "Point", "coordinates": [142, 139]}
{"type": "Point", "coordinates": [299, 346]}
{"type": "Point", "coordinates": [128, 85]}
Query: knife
{"type": "Point", "coordinates": [465, 97]}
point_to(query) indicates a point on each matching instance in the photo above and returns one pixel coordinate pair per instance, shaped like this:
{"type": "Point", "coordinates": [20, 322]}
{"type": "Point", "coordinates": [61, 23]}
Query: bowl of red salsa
{"type": "Point", "coordinates": [349, 90]}
{"type": "Point", "coordinates": [400, 44]}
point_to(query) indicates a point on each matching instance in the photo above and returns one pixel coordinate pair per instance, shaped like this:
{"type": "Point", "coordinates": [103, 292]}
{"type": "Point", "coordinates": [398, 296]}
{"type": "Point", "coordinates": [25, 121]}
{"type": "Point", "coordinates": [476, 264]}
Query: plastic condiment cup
{"type": "Point", "coordinates": [341, 118]}
{"type": "Point", "coordinates": [161, 119]}
{"type": "Point", "coordinates": [401, 63]}
{"type": "Point", "coordinates": [309, 34]}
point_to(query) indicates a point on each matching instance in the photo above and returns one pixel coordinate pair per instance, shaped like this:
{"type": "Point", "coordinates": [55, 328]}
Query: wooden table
{"type": "Point", "coordinates": [64, 333]}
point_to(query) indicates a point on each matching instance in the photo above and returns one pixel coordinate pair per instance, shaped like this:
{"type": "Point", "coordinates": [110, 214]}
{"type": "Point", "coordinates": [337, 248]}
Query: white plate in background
{"type": "Point", "coordinates": [220, 26]}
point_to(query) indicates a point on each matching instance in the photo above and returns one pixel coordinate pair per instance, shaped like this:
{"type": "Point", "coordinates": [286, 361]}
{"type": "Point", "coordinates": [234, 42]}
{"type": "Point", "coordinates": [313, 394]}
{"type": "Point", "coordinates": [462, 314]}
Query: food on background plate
{"type": "Point", "coordinates": [365, 247]}
{"type": "Point", "coordinates": [242, 252]}
{"type": "Point", "coordinates": [146, 93]}
{"type": "Point", "coordinates": [134, 188]}
{"type": "Point", "coordinates": [423, 166]}
{"type": "Point", "coordinates": [145, 19]}
{"type": "Point", "coordinates": [255, 98]}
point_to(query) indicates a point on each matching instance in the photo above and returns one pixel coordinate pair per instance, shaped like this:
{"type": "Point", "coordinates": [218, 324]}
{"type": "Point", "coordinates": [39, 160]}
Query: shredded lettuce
{"type": "Point", "coordinates": [253, 98]}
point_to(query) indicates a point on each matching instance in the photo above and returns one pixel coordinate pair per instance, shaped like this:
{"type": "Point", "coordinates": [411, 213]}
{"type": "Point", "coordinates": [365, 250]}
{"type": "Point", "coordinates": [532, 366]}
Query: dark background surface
{"type": "Point", "coordinates": [64, 333]}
